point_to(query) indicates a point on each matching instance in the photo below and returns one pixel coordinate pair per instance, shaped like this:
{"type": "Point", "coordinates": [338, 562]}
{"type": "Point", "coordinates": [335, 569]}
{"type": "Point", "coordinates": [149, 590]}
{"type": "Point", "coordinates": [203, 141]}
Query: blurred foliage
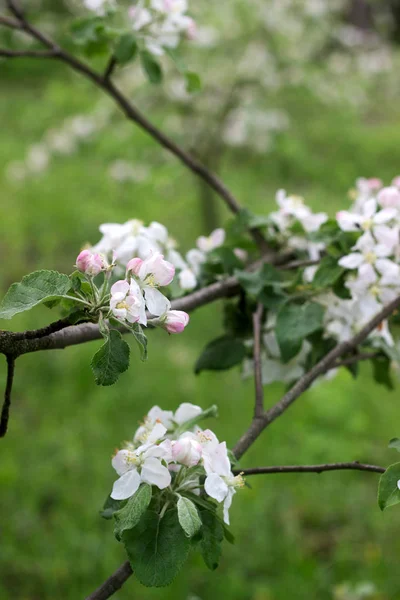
{"type": "Point", "coordinates": [297, 536]}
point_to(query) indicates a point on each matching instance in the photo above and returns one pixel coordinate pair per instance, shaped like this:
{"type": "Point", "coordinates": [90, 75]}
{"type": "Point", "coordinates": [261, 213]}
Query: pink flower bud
{"type": "Point", "coordinates": [191, 31]}
{"type": "Point", "coordinates": [175, 321]}
{"type": "Point", "coordinates": [374, 183]}
{"type": "Point", "coordinates": [396, 181]}
{"type": "Point", "coordinates": [134, 265]}
{"type": "Point", "coordinates": [389, 197]}
{"type": "Point", "coordinates": [187, 451]}
{"type": "Point", "coordinates": [90, 263]}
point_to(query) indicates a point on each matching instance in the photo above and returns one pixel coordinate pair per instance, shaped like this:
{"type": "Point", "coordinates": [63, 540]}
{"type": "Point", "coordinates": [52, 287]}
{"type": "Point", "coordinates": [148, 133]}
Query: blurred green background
{"type": "Point", "coordinates": [297, 536]}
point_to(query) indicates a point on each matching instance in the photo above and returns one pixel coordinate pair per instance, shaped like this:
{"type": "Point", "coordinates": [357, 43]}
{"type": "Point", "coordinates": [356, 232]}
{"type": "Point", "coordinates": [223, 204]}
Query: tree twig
{"type": "Point", "coordinates": [341, 466]}
{"type": "Point", "coordinates": [27, 53]}
{"type": "Point", "coordinates": [113, 583]}
{"type": "Point", "coordinates": [8, 22]}
{"type": "Point", "coordinates": [351, 360]}
{"type": "Point", "coordinates": [133, 114]}
{"type": "Point", "coordinates": [5, 412]}
{"type": "Point", "coordinates": [324, 365]}
{"type": "Point", "coordinates": [112, 63]}
{"type": "Point", "coordinates": [259, 390]}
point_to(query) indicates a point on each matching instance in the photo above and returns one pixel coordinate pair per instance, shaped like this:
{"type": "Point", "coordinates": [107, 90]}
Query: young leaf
{"type": "Point", "coordinates": [254, 283]}
{"type": "Point", "coordinates": [193, 82]}
{"type": "Point", "coordinates": [200, 501]}
{"type": "Point", "coordinates": [388, 492]}
{"type": "Point", "coordinates": [126, 48]}
{"type": "Point", "coordinates": [141, 340]}
{"type": "Point", "coordinates": [220, 354]}
{"type": "Point", "coordinates": [328, 273]}
{"type": "Point", "coordinates": [110, 507]}
{"type": "Point", "coordinates": [294, 323]}
{"type": "Point", "coordinates": [151, 67]}
{"type": "Point", "coordinates": [213, 535]}
{"type": "Point", "coordinates": [381, 366]}
{"type": "Point", "coordinates": [34, 289]}
{"type": "Point", "coordinates": [111, 360]}
{"type": "Point", "coordinates": [395, 443]}
{"type": "Point", "coordinates": [188, 516]}
{"type": "Point", "coordinates": [157, 548]}
{"type": "Point", "coordinates": [129, 516]}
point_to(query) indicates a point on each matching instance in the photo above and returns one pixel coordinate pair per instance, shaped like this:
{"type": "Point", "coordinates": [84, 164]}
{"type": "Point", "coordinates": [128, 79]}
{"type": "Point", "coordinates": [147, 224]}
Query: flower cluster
{"type": "Point", "coordinates": [159, 24]}
{"type": "Point", "coordinates": [169, 451]}
{"type": "Point", "coordinates": [162, 23]}
{"type": "Point", "coordinates": [134, 239]}
{"type": "Point", "coordinates": [128, 298]}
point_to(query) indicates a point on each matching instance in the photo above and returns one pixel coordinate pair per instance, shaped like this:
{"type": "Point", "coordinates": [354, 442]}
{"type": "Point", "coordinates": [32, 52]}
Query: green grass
{"type": "Point", "coordinates": [297, 536]}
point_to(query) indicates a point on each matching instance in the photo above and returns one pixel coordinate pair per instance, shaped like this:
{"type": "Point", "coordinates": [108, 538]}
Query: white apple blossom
{"type": "Point", "coordinates": [368, 219]}
{"type": "Point", "coordinates": [141, 465]}
{"type": "Point", "coordinates": [368, 252]}
{"type": "Point", "coordinates": [220, 482]}
{"type": "Point", "coordinates": [127, 302]}
{"type": "Point", "coordinates": [215, 240]}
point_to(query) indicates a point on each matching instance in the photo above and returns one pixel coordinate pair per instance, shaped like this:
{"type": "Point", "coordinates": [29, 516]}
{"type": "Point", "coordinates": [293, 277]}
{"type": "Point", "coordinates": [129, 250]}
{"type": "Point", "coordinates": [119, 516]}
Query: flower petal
{"type": "Point", "coordinates": [216, 487]}
{"type": "Point", "coordinates": [154, 473]}
{"type": "Point", "coordinates": [126, 485]}
{"type": "Point", "coordinates": [156, 302]}
{"type": "Point", "coordinates": [352, 261]}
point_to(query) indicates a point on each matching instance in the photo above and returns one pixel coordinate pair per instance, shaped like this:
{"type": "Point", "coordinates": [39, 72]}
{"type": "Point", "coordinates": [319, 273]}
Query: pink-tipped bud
{"type": "Point", "coordinates": [186, 451]}
{"type": "Point", "coordinates": [389, 197]}
{"type": "Point", "coordinates": [175, 321]}
{"type": "Point", "coordinates": [90, 263]}
{"type": "Point", "coordinates": [191, 31]}
{"type": "Point", "coordinates": [375, 184]}
{"type": "Point", "coordinates": [134, 266]}
{"type": "Point", "coordinates": [396, 181]}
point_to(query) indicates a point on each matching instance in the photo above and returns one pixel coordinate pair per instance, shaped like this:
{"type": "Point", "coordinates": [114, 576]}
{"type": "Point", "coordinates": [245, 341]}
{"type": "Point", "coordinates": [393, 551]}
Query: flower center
{"type": "Point", "coordinates": [375, 290]}
{"type": "Point", "coordinates": [236, 482]}
{"type": "Point", "coordinates": [370, 257]}
{"type": "Point", "coordinates": [122, 305]}
{"type": "Point", "coordinates": [367, 224]}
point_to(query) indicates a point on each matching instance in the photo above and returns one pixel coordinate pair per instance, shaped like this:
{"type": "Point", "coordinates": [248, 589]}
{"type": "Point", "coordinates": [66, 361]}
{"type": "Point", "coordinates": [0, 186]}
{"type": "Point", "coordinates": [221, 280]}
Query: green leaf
{"type": "Point", "coordinates": [111, 360]}
{"type": "Point", "coordinates": [126, 48]}
{"type": "Point", "coordinates": [193, 82]}
{"type": "Point", "coordinates": [110, 507]}
{"type": "Point", "coordinates": [213, 535]}
{"type": "Point", "coordinates": [188, 517]}
{"type": "Point", "coordinates": [38, 287]}
{"type": "Point", "coordinates": [129, 516]}
{"type": "Point", "coordinates": [381, 367]}
{"type": "Point", "coordinates": [220, 354]}
{"type": "Point", "coordinates": [226, 257]}
{"type": "Point", "coordinates": [388, 492]}
{"type": "Point", "coordinates": [92, 35]}
{"type": "Point", "coordinates": [253, 283]}
{"type": "Point", "coordinates": [395, 443]}
{"type": "Point", "coordinates": [151, 67]}
{"type": "Point", "coordinates": [328, 273]}
{"type": "Point", "coordinates": [200, 501]}
{"type": "Point", "coordinates": [294, 323]}
{"type": "Point", "coordinates": [141, 340]}
{"type": "Point", "coordinates": [157, 548]}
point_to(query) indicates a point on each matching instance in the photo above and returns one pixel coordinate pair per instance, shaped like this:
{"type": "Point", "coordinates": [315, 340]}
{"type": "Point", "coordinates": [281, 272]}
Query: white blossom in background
{"type": "Point", "coordinates": [161, 24]}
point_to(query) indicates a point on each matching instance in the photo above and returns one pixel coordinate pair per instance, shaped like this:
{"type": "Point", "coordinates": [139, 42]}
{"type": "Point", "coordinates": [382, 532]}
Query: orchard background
{"type": "Point", "coordinates": [297, 537]}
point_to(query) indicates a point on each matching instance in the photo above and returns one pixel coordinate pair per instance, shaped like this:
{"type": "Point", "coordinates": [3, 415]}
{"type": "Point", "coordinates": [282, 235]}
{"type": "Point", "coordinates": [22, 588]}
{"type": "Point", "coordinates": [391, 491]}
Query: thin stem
{"type": "Point", "coordinates": [4, 52]}
{"type": "Point", "coordinates": [5, 413]}
{"type": "Point", "coordinates": [259, 390]}
{"type": "Point", "coordinates": [112, 63]}
{"type": "Point", "coordinates": [77, 300]}
{"type": "Point", "coordinates": [325, 364]}
{"type": "Point", "coordinates": [347, 466]}
{"type": "Point", "coordinates": [112, 584]}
